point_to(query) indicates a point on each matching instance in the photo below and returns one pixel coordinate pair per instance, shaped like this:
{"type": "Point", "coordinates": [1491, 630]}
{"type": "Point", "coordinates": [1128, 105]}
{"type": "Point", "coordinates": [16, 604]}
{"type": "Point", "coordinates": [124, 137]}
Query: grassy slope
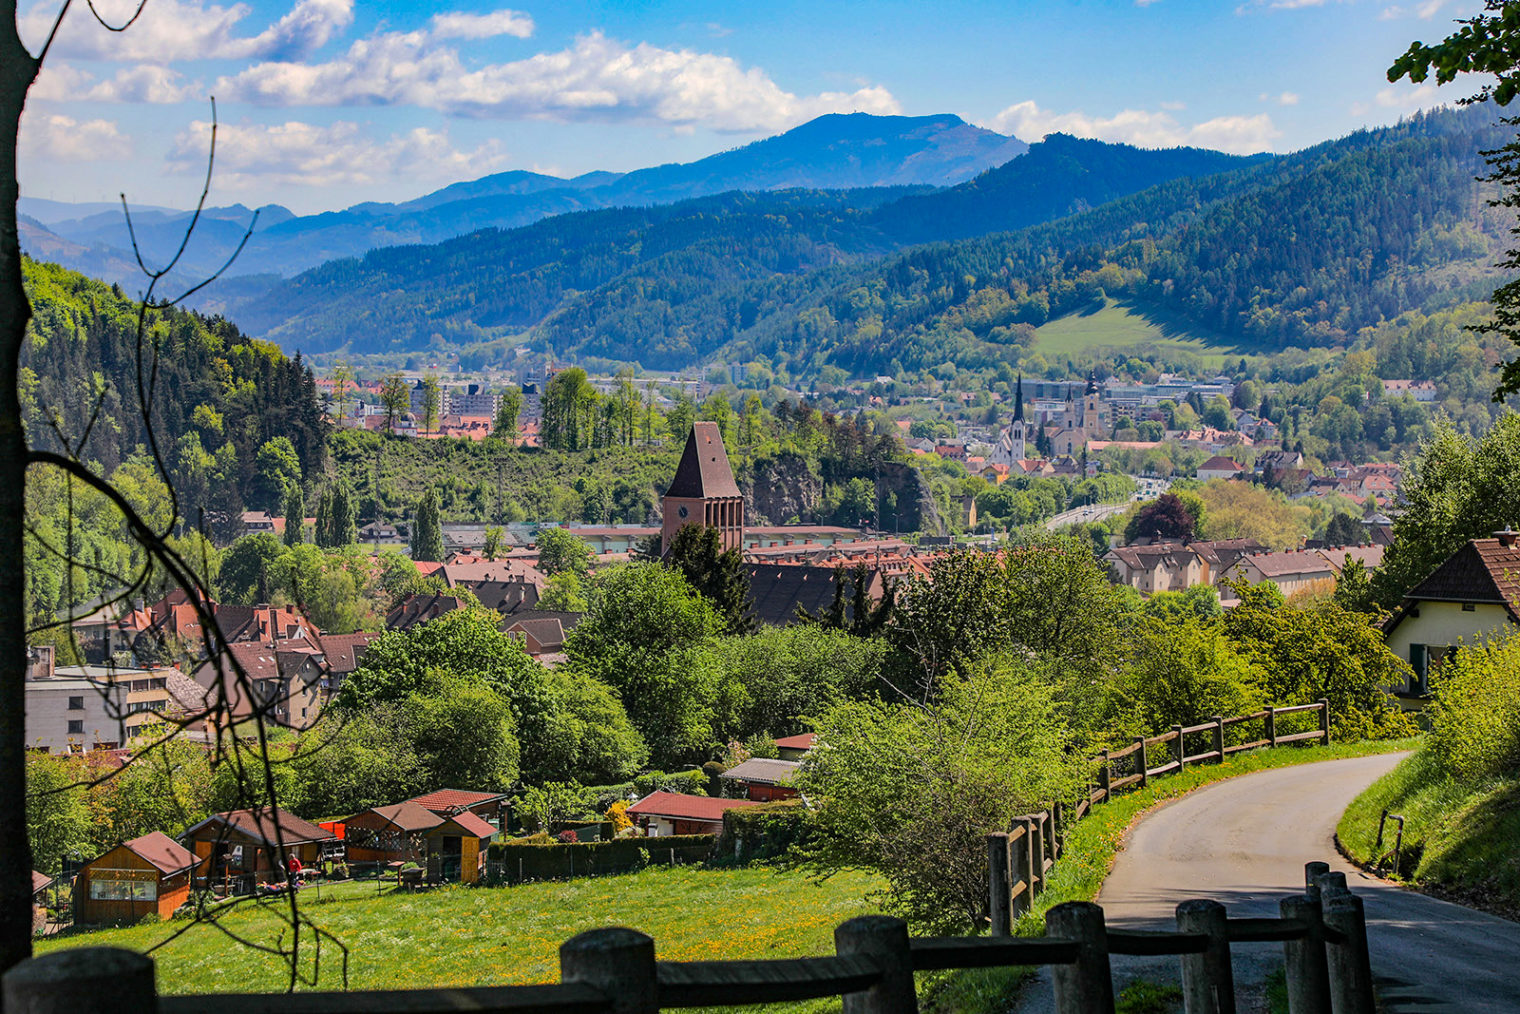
{"type": "Point", "coordinates": [1094, 842]}
{"type": "Point", "coordinates": [505, 936]}
{"type": "Point", "coordinates": [1459, 839]}
{"type": "Point", "coordinates": [1121, 326]}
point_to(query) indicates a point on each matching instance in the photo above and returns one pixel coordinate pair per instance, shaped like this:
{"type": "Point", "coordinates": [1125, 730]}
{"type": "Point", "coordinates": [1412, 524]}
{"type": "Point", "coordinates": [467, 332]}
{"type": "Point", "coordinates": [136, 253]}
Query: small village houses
{"type": "Point", "coordinates": [145, 876]}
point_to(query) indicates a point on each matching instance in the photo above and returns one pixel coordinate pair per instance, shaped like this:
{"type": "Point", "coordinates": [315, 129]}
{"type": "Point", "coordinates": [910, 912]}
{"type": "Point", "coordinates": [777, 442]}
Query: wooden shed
{"type": "Point", "coordinates": [456, 848]}
{"type": "Point", "coordinates": [147, 875]}
{"type": "Point", "coordinates": [390, 834]}
{"type": "Point", "coordinates": [447, 802]}
{"type": "Point", "coordinates": [241, 848]}
{"type": "Point", "coordinates": [666, 813]}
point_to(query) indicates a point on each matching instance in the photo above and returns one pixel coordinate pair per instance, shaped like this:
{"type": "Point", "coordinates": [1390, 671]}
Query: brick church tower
{"type": "Point", "coordinates": [704, 491]}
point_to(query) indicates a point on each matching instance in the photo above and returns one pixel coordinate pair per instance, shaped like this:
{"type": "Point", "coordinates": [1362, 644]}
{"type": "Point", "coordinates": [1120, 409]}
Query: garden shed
{"type": "Point", "coordinates": [244, 845]}
{"type": "Point", "coordinates": [487, 806]}
{"type": "Point", "coordinates": [390, 834]}
{"type": "Point", "coordinates": [661, 814]}
{"type": "Point", "coordinates": [145, 876]}
{"type": "Point", "coordinates": [456, 848]}
{"type": "Point", "coordinates": [764, 779]}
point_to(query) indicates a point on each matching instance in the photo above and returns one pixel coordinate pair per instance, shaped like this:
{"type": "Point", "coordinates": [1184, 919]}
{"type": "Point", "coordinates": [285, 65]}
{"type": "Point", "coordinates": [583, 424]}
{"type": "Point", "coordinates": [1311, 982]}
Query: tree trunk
{"type": "Point", "coordinates": [17, 70]}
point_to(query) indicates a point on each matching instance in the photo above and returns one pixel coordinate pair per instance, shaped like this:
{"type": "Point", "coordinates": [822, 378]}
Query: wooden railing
{"type": "Point", "coordinates": [615, 971]}
{"type": "Point", "coordinates": [1019, 860]}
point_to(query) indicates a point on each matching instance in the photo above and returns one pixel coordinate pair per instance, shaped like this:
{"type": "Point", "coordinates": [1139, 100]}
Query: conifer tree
{"type": "Point", "coordinates": [697, 552]}
{"type": "Point", "coordinates": [295, 515]}
{"type": "Point", "coordinates": [342, 518]}
{"type": "Point", "coordinates": [320, 530]}
{"type": "Point", "coordinates": [427, 530]}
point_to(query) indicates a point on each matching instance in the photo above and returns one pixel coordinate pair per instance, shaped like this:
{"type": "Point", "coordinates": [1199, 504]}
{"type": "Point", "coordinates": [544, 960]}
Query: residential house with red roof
{"type": "Point", "coordinates": [145, 876]}
{"type": "Point", "coordinates": [662, 814]}
{"type": "Point", "coordinates": [1472, 597]}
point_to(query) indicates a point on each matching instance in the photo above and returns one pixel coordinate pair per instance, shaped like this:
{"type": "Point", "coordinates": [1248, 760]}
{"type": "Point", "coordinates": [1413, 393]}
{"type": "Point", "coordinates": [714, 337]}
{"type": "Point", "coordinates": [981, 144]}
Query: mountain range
{"type": "Point", "coordinates": [833, 152]}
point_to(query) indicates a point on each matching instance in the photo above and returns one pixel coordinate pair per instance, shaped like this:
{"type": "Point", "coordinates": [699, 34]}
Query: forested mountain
{"type": "Point", "coordinates": [216, 396]}
{"type": "Point", "coordinates": [833, 152]}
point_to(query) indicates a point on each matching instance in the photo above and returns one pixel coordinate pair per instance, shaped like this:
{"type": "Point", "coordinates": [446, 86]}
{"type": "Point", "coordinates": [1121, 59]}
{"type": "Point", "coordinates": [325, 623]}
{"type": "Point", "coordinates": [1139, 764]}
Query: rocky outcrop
{"type": "Point", "coordinates": [782, 488]}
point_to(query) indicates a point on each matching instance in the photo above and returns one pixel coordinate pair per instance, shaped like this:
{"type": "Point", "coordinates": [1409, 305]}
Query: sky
{"type": "Point", "coordinates": [322, 104]}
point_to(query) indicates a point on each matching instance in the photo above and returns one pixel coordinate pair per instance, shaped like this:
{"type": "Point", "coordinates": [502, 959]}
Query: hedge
{"type": "Point", "coordinates": [538, 859]}
{"type": "Point", "coordinates": [755, 833]}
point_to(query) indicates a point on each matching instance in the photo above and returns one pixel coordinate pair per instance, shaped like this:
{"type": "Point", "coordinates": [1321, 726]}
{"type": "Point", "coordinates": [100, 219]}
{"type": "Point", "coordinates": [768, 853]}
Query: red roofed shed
{"type": "Point", "coordinates": [666, 813]}
{"type": "Point", "coordinates": [146, 875]}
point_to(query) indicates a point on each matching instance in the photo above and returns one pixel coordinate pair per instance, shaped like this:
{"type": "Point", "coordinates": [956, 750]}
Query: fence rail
{"type": "Point", "coordinates": [614, 971]}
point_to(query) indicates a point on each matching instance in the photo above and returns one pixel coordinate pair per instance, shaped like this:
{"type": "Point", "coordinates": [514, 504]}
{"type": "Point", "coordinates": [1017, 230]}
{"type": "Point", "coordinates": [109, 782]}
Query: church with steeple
{"type": "Point", "coordinates": [704, 491]}
{"type": "Point", "coordinates": [1013, 445]}
{"type": "Point", "coordinates": [1080, 422]}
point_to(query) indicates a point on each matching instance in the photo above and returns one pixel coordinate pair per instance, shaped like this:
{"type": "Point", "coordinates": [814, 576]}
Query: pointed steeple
{"type": "Point", "coordinates": [1092, 382]}
{"type": "Point", "coordinates": [1018, 400]}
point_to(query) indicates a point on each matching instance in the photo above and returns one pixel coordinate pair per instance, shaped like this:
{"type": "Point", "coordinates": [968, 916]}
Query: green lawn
{"type": "Point", "coordinates": [1459, 839]}
{"type": "Point", "coordinates": [1120, 326]}
{"type": "Point", "coordinates": [506, 935]}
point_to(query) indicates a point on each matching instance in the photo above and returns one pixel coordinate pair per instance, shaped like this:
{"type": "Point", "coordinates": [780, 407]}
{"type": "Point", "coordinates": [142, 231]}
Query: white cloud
{"type": "Point", "coordinates": [339, 154]}
{"type": "Point", "coordinates": [64, 139]}
{"type": "Point", "coordinates": [1285, 99]}
{"type": "Point", "coordinates": [597, 79]}
{"type": "Point", "coordinates": [145, 83]}
{"type": "Point", "coordinates": [459, 25]}
{"type": "Point", "coordinates": [1408, 99]}
{"type": "Point", "coordinates": [171, 30]}
{"type": "Point", "coordinates": [1239, 134]}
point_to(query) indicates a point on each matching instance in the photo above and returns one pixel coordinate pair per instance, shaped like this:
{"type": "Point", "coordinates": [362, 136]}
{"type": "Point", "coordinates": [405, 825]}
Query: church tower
{"type": "Point", "coordinates": [703, 491]}
{"type": "Point", "coordinates": [1092, 423]}
{"type": "Point", "coordinates": [1018, 430]}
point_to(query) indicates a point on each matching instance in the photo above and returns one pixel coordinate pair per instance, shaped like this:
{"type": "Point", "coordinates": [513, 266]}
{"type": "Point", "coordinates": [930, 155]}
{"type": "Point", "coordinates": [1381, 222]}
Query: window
{"type": "Point", "coordinates": [76, 703]}
{"type": "Point", "coordinates": [1469, 607]}
{"type": "Point", "coordinates": [105, 887]}
{"type": "Point", "coordinates": [76, 727]}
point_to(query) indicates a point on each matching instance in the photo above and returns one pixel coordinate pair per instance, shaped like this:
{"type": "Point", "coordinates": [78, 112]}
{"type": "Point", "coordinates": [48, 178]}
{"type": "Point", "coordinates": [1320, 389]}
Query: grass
{"type": "Point", "coordinates": [1093, 844]}
{"type": "Point", "coordinates": [1118, 325]}
{"type": "Point", "coordinates": [511, 935]}
{"type": "Point", "coordinates": [1459, 838]}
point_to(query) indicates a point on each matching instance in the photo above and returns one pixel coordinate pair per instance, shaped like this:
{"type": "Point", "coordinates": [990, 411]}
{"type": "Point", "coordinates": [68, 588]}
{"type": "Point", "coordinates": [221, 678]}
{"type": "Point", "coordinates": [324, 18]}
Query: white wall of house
{"type": "Point", "coordinates": [1446, 625]}
{"type": "Point", "coordinates": [65, 716]}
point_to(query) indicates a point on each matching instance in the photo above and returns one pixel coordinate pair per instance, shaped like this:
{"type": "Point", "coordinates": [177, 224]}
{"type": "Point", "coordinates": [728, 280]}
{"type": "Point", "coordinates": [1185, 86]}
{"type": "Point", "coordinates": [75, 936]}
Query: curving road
{"type": "Point", "coordinates": [1244, 841]}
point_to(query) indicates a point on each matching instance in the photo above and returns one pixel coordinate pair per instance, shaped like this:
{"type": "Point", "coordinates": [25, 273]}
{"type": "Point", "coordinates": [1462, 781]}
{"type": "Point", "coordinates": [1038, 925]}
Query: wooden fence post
{"type": "Point", "coordinates": [1346, 956]}
{"type": "Point", "coordinates": [1208, 982]}
{"type": "Point", "coordinates": [1085, 986]}
{"type": "Point", "coordinates": [1307, 979]}
{"type": "Point", "coordinates": [1140, 753]}
{"type": "Point", "coordinates": [1219, 738]}
{"type": "Point", "coordinates": [1324, 721]}
{"type": "Point", "coordinates": [1271, 725]}
{"type": "Point", "coordinates": [1051, 848]}
{"type": "Point", "coordinates": [81, 980]}
{"type": "Point", "coordinates": [1181, 748]}
{"type": "Point", "coordinates": [1021, 871]}
{"type": "Point", "coordinates": [1105, 775]}
{"type": "Point", "coordinates": [617, 961]}
{"type": "Point", "coordinates": [885, 940]}
{"type": "Point", "coordinates": [1057, 825]}
{"type": "Point", "coordinates": [1036, 855]}
{"type": "Point", "coordinates": [1312, 872]}
{"type": "Point", "coordinates": [998, 891]}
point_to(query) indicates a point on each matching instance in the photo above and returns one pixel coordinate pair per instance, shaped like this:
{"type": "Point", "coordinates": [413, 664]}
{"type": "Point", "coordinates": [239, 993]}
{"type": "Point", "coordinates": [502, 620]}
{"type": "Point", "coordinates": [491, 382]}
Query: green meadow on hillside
{"type": "Point", "coordinates": [1122, 326]}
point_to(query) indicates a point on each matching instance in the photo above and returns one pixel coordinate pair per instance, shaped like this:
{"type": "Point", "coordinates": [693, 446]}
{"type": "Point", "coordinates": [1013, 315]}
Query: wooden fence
{"type": "Point", "coordinates": [1019, 860]}
{"type": "Point", "coordinates": [615, 971]}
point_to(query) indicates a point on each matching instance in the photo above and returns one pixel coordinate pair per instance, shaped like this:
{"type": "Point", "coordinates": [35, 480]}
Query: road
{"type": "Point", "coordinates": [1146, 489]}
{"type": "Point", "coordinates": [1244, 841]}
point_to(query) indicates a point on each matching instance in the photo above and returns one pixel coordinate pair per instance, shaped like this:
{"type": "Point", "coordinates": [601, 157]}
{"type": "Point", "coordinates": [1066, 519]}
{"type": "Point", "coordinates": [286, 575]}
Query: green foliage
{"type": "Point", "coordinates": [910, 792]}
{"type": "Point", "coordinates": [276, 469]}
{"type": "Point", "coordinates": [463, 733]}
{"type": "Point", "coordinates": [336, 523]}
{"type": "Point", "coordinates": [427, 530]}
{"type": "Point", "coordinates": [58, 820]}
{"type": "Point", "coordinates": [718, 574]}
{"type": "Point", "coordinates": [564, 592]}
{"type": "Point", "coordinates": [562, 552]}
{"type": "Point", "coordinates": [541, 806]}
{"type": "Point", "coordinates": [1199, 602]}
{"type": "Point", "coordinates": [294, 510]}
{"type": "Point", "coordinates": [587, 735]}
{"type": "Point", "coordinates": [1475, 717]}
{"type": "Point", "coordinates": [245, 566]}
{"type": "Point", "coordinates": [1183, 671]}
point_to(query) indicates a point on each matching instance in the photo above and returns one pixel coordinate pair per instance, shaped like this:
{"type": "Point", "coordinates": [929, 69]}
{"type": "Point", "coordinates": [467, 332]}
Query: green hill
{"type": "Point", "coordinates": [1111, 325]}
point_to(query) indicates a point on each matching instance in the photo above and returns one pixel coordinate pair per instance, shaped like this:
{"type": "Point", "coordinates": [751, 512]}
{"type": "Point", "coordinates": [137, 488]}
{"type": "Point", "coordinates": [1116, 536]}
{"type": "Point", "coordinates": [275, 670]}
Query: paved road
{"type": "Point", "coordinates": [1244, 841]}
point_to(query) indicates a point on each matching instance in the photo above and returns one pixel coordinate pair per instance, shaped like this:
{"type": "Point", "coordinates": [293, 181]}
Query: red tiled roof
{"type": "Point", "coordinates": [446, 800]}
{"type": "Point", "coordinates": [1484, 570]}
{"type": "Point", "coordinates": [407, 816]}
{"type": "Point", "coordinates": [468, 823]}
{"type": "Point", "coordinates": [40, 881]}
{"type": "Point", "coordinates": [164, 853]}
{"type": "Point", "coordinates": [683, 807]}
{"type": "Point", "coordinates": [802, 741]}
{"type": "Point", "coordinates": [266, 825]}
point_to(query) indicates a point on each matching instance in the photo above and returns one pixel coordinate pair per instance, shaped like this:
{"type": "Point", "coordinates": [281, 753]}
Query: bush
{"type": "Point", "coordinates": [768, 831]}
{"type": "Point", "coordinates": [1475, 717]}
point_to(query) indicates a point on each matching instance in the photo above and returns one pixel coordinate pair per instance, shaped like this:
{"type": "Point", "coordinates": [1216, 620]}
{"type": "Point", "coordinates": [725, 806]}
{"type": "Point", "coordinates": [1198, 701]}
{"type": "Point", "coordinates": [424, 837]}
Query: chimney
{"type": "Point", "coordinates": [1507, 537]}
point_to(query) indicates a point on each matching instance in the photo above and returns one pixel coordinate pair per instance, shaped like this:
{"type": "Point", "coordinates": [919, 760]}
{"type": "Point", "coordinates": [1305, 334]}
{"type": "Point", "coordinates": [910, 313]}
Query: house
{"type": "Point", "coordinates": [1473, 596]}
{"type": "Point", "coordinates": [793, 748]}
{"type": "Point", "coordinates": [257, 521]}
{"type": "Point", "coordinates": [1294, 570]}
{"type": "Point", "coordinates": [1419, 390]}
{"type": "Point", "coordinates": [415, 610]}
{"type": "Point", "coordinates": [1164, 566]}
{"type": "Point", "coordinates": [447, 802]}
{"type": "Point", "coordinates": [247, 845]}
{"type": "Point", "coordinates": [145, 876]}
{"type": "Point", "coordinates": [1219, 467]}
{"type": "Point", "coordinates": [539, 635]}
{"type": "Point", "coordinates": [662, 814]}
{"type": "Point", "coordinates": [74, 709]}
{"type": "Point", "coordinates": [777, 590]}
{"type": "Point", "coordinates": [764, 779]}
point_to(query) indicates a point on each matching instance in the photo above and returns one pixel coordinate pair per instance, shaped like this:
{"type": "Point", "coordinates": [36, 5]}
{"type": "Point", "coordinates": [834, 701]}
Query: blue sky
{"type": "Point", "coordinates": [325, 103]}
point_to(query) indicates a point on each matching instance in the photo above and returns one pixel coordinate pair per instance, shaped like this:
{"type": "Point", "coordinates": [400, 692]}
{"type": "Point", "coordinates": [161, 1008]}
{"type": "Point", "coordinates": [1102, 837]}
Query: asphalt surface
{"type": "Point", "coordinates": [1244, 842]}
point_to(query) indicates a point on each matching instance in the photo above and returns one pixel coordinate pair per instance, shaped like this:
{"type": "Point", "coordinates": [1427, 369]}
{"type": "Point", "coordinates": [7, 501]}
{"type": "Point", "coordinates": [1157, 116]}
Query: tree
{"type": "Point", "coordinates": [560, 551]}
{"type": "Point", "coordinates": [1486, 43]}
{"type": "Point", "coordinates": [853, 609]}
{"type": "Point", "coordinates": [57, 818]}
{"type": "Point", "coordinates": [295, 515]}
{"type": "Point", "coordinates": [588, 736]}
{"type": "Point", "coordinates": [427, 530]}
{"type": "Point", "coordinates": [338, 526]}
{"type": "Point", "coordinates": [342, 376]}
{"type": "Point", "coordinates": [563, 593]}
{"type": "Point", "coordinates": [245, 567]}
{"type": "Point", "coordinates": [432, 401]}
{"type": "Point", "coordinates": [567, 401]}
{"type": "Point", "coordinates": [697, 553]}
{"type": "Point", "coordinates": [1345, 530]}
{"type": "Point", "coordinates": [1199, 602]}
{"type": "Point", "coordinates": [1240, 510]}
{"type": "Point", "coordinates": [464, 734]}
{"type": "Point", "coordinates": [276, 467]}
{"type": "Point", "coordinates": [1183, 671]}
{"type": "Point", "coordinates": [395, 399]}
{"type": "Point", "coordinates": [1166, 517]}
{"type": "Point", "coordinates": [507, 413]}
{"type": "Point", "coordinates": [492, 546]}
{"type": "Point", "coordinates": [910, 792]}
{"type": "Point", "coordinates": [1353, 587]}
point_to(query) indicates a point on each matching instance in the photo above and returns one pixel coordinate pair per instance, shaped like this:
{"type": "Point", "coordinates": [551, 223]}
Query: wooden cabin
{"type": "Point", "coordinates": [40, 883]}
{"type": "Point", "coordinates": [764, 779]}
{"type": "Point", "coordinates": [456, 848]}
{"type": "Point", "coordinates": [794, 748]}
{"type": "Point", "coordinates": [242, 848]}
{"type": "Point", "coordinates": [390, 834]}
{"type": "Point", "coordinates": [661, 813]}
{"type": "Point", "coordinates": [446, 802]}
{"type": "Point", "coordinates": [147, 875]}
